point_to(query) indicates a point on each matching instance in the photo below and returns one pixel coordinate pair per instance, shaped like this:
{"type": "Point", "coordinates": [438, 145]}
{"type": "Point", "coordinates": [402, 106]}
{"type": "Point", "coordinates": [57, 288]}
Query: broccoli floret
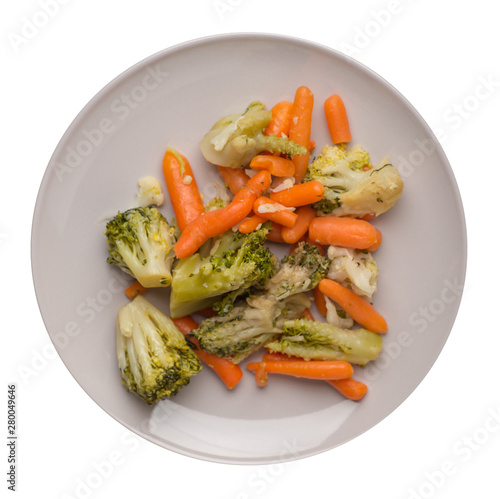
{"type": "Point", "coordinates": [300, 271]}
{"type": "Point", "coordinates": [249, 325]}
{"type": "Point", "coordinates": [140, 242]}
{"type": "Point", "coordinates": [235, 139]}
{"type": "Point", "coordinates": [236, 262]}
{"type": "Point", "coordinates": [258, 319]}
{"type": "Point", "coordinates": [154, 357]}
{"type": "Point", "coordinates": [316, 340]}
{"type": "Point", "coordinates": [354, 269]}
{"type": "Point", "coordinates": [352, 186]}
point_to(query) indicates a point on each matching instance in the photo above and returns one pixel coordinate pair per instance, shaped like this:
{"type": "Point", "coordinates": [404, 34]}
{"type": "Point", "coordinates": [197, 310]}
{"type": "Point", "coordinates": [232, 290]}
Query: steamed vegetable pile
{"type": "Point", "coordinates": [229, 295]}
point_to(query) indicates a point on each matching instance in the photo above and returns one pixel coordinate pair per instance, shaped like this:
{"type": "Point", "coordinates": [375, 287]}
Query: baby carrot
{"type": "Point", "coordinates": [310, 369]}
{"type": "Point", "coordinates": [250, 224]}
{"type": "Point", "coordinates": [275, 233]}
{"type": "Point", "coordinates": [228, 372]}
{"type": "Point", "coordinates": [300, 194]}
{"type": "Point", "coordinates": [292, 235]}
{"type": "Point", "coordinates": [270, 210]}
{"type": "Point", "coordinates": [342, 231]}
{"type": "Point", "coordinates": [308, 314]}
{"type": "Point", "coordinates": [356, 306]}
{"type": "Point", "coordinates": [280, 119]}
{"type": "Point", "coordinates": [319, 300]}
{"type": "Point", "coordinates": [235, 178]}
{"type": "Point", "coordinates": [349, 388]}
{"type": "Point", "coordinates": [216, 222]}
{"type": "Point", "coordinates": [182, 189]}
{"type": "Point", "coordinates": [135, 289]}
{"type": "Point", "coordinates": [261, 374]}
{"type": "Point", "coordinates": [377, 244]}
{"type": "Point", "coordinates": [336, 119]}
{"type": "Point", "coordinates": [300, 128]}
{"type": "Point", "coordinates": [275, 165]}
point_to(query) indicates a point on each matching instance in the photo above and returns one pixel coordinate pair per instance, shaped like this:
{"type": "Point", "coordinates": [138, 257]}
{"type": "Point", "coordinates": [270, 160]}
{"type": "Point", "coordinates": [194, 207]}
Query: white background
{"type": "Point", "coordinates": [443, 441]}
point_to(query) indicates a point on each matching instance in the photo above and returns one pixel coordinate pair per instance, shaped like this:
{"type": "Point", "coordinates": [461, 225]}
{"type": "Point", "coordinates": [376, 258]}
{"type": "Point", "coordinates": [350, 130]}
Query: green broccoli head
{"type": "Point", "coordinates": [352, 186]}
{"type": "Point", "coordinates": [235, 139]}
{"type": "Point", "coordinates": [153, 356]}
{"type": "Point", "coordinates": [235, 263]}
{"type": "Point", "coordinates": [249, 325]}
{"type": "Point", "coordinates": [140, 242]}
{"type": "Point", "coordinates": [316, 340]}
{"type": "Point", "coordinates": [300, 271]}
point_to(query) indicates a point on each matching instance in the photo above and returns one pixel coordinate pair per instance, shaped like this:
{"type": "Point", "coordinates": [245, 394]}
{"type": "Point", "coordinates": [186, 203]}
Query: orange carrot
{"type": "Point", "coordinates": [300, 194]}
{"type": "Point", "coordinates": [281, 215]}
{"type": "Point", "coordinates": [310, 369]}
{"type": "Point", "coordinates": [135, 289]}
{"type": "Point", "coordinates": [336, 118]}
{"type": "Point", "coordinates": [357, 307]}
{"type": "Point", "coordinates": [342, 231]}
{"type": "Point", "coordinates": [319, 300]}
{"type": "Point", "coordinates": [228, 372]}
{"type": "Point", "coordinates": [300, 128]}
{"type": "Point", "coordinates": [275, 165]}
{"type": "Point", "coordinates": [349, 388]}
{"type": "Point", "coordinates": [308, 314]}
{"type": "Point", "coordinates": [377, 244]}
{"type": "Point", "coordinates": [312, 145]}
{"type": "Point", "coordinates": [235, 178]}
{"type": "Point", "coordinates": [182, 188]}
{"type": "Point", "coordinates": [250, 224]}
{"type": "Point", "coordinates": [280, 120]}
{"type": "Point", "coordinates": [275, 233]}
{"type": "Point", "coordinates": [292, 235]}
{"type": "Point", "coordinates": [261, 374]}
{"type": "Point", "coordinates": [216, 222]}
{"type": "Point", "coordinates": [207, 312]}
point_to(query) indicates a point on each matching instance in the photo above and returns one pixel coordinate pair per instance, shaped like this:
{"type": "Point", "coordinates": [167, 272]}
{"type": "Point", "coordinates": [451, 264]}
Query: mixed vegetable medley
{"type": "Point", "coordinates": [230, 296]}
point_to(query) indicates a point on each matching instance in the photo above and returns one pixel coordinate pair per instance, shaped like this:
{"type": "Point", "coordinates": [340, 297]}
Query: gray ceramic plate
{"type": "Point", "coordinates": [172, 99]}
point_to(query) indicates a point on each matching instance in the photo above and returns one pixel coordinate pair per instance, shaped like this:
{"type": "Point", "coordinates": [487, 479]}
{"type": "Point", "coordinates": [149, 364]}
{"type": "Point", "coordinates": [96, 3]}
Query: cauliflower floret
{"type": "Point", "coordinates": [352, 186]}
{"type": "Point", "coordinates": [150, 192]}
{"type": "Point", "coordinates": [355, 269]}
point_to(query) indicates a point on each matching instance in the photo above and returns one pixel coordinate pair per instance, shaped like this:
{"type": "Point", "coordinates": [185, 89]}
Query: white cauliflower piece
{"type": "Point", "coordinates": [150, 192]}
{"type": "Point", "coordinates": [355, 269]}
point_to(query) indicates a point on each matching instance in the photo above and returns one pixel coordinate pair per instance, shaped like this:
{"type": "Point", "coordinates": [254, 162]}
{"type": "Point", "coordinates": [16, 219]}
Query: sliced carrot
{"type": "Point", "coordinates": [275, 165]}
{"type": "Point", "coordinates": [292, 235]}
{"type": "Point", "coordinates": [300, 128]}
{"type": "Point", "coordinates": [349, 388]}
{"type": "Point", "coordinates": [319, 300]}
{"type": "Point", "coordinates": [270, 210]}
{"type": "Point", "coordinates": [235, 178]}
{"type": "Point", "coordinates": [342, 231]}
{"type": "Point", "coordinates": [377, 244]}
{"type": "Point", "coordinates": [135, 289]}
{"type": "Point", "coordinates": [300, 194]}
{"type": "Point", "coordinates": [357, 307]}
{"type": "Point", "coordinates": [227, 371]}
{"type": "Point", "coordinates": [182, 188]}
{"type": "Point", "coordinates": [336, 118]}
{"type": "Point", "coordinates": [281, 114]}
{"type": "Point", "coordinates": [310, 369]}
{"type": "Point", "coordinates": [250, 224]}
{"type": "Point", "coordinates": [216, 222]}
